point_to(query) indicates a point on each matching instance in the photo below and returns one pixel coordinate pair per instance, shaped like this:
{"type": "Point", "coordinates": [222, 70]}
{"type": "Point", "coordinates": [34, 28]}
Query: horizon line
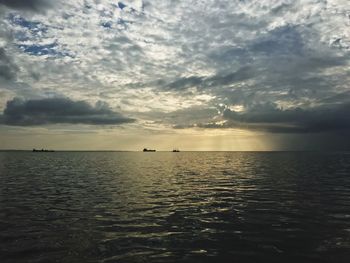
{"type": "Point", "coordinates": [77, 150]}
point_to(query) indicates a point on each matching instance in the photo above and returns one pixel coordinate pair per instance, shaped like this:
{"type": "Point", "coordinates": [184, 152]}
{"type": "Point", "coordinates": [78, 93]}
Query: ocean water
{"type": "Point", "coordinates": [174, 207]}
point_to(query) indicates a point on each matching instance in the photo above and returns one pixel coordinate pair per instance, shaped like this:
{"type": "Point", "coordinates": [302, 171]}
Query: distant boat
{"type": "Point", "coordinates": [148, 150]}
{"type": "Point", "coordinates": [176, 150]}
{"type": "Point", "coordinates": [42, 150]}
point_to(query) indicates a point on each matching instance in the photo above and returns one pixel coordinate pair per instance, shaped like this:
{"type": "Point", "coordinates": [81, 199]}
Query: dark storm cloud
{"type": "Point", "coordinates": [34, 5]}
{"type": "Point", "coordinates": [185, 83]}
{"type": "Point", "coordinates": [267, 117]}
{"type": "Point", "coordinates": [280, 41]}
{"type": "Point", "coordinates": [214, 81]}
{"type": "Point", "coordinates": [241, 74]}
{"type": "Point", "coordinates": [59, 110]}
{"type": "Point", "coordinates": [8, 70]}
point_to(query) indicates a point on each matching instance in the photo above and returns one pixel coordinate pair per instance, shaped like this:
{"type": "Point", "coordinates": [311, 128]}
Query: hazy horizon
{"type": "Point", "coordinates": [165, 150]}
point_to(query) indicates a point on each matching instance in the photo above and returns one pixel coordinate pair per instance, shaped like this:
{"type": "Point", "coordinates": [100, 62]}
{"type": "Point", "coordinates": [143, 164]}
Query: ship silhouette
{"type": "Point", "coordinates": [148, 150]}
{"type": "Point", "coordinates": [42, 150]}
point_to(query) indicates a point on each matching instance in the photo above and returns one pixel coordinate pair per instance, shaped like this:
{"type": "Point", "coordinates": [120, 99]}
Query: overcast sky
{"type": "Point", "coordinates": [195, 75]}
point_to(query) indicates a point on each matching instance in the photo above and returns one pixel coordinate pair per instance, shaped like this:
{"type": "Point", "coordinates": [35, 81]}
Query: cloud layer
{"type": "Point", "coordinates": [273, 65]}
{"type": "Point", "coordinates": [59, 110]}
{"type": "Point", "coordinates": [272, 119]}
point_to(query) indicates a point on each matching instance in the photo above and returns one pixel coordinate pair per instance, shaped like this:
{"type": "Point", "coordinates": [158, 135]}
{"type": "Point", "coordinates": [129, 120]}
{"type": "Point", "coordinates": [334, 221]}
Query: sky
{"type": "Point", "coordinates": [232, 75]}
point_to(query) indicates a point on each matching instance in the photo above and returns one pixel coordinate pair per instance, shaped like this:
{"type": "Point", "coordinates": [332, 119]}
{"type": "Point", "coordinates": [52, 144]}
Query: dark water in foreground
{"type": "Point", "coordinates": [174, 207]}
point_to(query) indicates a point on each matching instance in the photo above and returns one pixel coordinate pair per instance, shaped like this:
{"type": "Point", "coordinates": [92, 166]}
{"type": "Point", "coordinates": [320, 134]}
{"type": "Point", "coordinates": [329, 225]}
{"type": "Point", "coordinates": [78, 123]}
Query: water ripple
{"type": "Point", "coordinates": [183, 207]}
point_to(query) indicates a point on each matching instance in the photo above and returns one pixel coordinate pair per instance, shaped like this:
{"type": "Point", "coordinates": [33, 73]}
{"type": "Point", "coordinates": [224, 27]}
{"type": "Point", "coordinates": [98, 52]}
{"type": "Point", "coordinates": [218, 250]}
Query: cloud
{"type": "Point", "coordinates": [20, 112]}
{"type": "Point", "coordinates": [34, 5]}
{"type": "Point", "coordinates": [8, 70]}
{"type": "Point", "coordinates": [218, 80]}
{"type": "Point", "coordinates": [268, 117]}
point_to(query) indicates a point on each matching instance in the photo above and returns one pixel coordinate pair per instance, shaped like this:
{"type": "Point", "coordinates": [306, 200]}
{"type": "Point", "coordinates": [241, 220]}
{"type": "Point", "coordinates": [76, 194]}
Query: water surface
{"type": "Point", "coordinates": [174, 207]}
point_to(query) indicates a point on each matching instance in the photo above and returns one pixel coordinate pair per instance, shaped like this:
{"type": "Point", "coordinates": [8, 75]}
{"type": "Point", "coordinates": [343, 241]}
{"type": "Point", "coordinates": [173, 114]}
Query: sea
{"type": "Point", "coordinates": [175, 207]}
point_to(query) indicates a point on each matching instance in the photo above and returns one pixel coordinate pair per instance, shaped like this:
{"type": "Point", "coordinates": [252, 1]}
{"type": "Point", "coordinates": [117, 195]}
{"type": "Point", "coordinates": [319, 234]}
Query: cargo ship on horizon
{"type": "Point", "coordinates": [148, 150]}
{"type": "Point", "coordinates": [42, 150]}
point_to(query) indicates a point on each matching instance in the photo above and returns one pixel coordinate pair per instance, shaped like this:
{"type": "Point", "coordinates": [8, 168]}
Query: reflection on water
{"type": "Point", "coordinates": [166, 207]}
